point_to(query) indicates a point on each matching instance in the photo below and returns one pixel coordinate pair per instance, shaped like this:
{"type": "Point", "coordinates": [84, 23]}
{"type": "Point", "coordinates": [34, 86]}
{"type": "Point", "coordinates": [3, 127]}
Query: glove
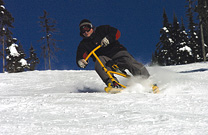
{"type": "Point", "coordinates": [105, 42]}
{"type": "Point", "coordinates": [82, 63]}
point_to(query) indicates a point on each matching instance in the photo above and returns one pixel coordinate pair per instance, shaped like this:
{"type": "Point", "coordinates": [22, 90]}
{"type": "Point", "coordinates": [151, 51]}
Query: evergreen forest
{"type": "Point", "coordinates": [181, 45]}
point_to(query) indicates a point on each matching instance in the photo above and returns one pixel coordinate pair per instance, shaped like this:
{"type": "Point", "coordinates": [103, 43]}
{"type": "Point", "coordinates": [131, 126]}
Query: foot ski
{"type": "Point", "coordinates": [112, 90]}
{"type": "Point", "coordinates": [155, 89]}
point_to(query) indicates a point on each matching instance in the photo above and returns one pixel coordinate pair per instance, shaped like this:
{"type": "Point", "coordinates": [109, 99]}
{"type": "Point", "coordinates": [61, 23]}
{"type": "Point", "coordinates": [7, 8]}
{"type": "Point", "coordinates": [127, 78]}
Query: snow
{"type": "Point", "coordinates": [184, 32]}
{"type": "Point", "coordinates": [2, 6]}
{"type": "Point", "coordinates": [13, 50]}
{"type": "Point", "coordinates": [2, 12]}
{"type": "Point", "coordinates": [183, 43]}
{"type": "Point", "coordinates": [170, 39]}
{"type": "Point", "coordinates": [73, 102]}
{"type": "Point", "coordinates": [23, 62]}
{"type": "Point", "coordinates": [186, 48]}
{"type": "Point", "coordinates": [165, 29]}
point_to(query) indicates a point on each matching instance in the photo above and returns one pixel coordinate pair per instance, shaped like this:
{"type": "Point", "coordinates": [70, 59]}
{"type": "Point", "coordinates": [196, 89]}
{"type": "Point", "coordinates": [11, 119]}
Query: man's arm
{"type": "Point", "coordinates": [112, 34]}
{"type": "Point", "coordinates": [81, 54]}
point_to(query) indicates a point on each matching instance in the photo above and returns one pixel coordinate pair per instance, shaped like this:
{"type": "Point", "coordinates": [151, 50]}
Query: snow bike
{"type": "Point", "coordinates": [117, 71]}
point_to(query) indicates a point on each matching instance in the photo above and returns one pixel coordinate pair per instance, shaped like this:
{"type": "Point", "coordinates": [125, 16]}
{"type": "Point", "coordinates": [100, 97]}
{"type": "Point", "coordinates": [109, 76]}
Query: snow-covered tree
{"type": "Point", "coordinates": [182, 52]}
{"type": "Point", "coordinates": [162, 53]}
{"type": "Point", "coordinates": [15, 61]}
{"type": "Point", "coordinates": [193, 33]}
{"type": "Point", "coordinates": [185, 50]}
{"type": "Point", "coordinates": [175, 36]}
{"type": "Point", "coordinates": [177, 46]}
{"type": "Point", "coordinates": [6, 21]}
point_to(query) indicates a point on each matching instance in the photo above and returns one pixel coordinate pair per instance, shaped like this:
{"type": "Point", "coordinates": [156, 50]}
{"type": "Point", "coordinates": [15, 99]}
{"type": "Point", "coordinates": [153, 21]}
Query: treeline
{"type": "Point", "coordinates": [12, 54]}
{"type": "Point", "coordinates": [180, 45]}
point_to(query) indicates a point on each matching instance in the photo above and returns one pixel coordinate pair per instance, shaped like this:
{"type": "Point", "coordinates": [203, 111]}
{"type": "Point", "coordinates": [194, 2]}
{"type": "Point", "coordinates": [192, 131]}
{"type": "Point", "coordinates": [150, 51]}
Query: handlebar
{"type": "Point", "coordinates": [93, 52]}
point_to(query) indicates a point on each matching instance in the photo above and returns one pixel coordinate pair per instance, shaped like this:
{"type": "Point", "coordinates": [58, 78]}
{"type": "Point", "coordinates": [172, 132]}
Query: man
{"type": "Point", "coordinates": [111, 51]}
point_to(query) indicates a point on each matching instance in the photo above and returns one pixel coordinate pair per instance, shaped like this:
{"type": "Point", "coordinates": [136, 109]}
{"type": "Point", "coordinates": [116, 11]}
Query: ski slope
{"type": "Point", "coordinates": [73, 102]}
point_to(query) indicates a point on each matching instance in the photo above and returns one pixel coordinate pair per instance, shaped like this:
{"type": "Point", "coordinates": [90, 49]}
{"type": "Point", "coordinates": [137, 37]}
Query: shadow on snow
{"type": "Point", "coordinates": [88, 90]}
{"type": "Point", "coordinates": [195, 70]}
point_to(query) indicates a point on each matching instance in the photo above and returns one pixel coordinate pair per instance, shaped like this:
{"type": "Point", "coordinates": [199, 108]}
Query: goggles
{"type": "Point", "coordinates": [86, 27]}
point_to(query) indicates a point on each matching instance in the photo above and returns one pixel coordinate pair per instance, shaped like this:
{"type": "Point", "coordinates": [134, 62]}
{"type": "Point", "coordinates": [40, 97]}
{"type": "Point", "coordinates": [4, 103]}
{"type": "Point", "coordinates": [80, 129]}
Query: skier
{"type": "Point", "coordinates": [111, 51]}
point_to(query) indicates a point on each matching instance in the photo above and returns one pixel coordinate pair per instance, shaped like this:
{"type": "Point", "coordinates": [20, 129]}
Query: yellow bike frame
{"type": "Point", "coordinates": [104, 68]}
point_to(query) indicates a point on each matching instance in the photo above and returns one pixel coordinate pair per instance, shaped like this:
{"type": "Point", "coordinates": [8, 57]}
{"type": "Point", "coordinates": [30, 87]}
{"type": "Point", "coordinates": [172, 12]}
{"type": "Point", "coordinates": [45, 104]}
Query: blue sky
{"type": "Point", "coordinates": [138, 20]}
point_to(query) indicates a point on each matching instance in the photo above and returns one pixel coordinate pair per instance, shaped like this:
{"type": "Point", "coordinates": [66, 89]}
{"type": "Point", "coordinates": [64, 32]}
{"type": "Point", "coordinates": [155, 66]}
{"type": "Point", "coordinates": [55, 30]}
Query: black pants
{"type": "Point", "coordinates": [125, 61]}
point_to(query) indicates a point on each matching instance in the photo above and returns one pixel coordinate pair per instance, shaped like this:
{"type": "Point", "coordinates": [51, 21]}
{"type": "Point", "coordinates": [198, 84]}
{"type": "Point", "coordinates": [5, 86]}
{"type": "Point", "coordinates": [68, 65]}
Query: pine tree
{"type": "Point", "coordinates": [184, 48]}
{"type": "Point", "coordinates": [194, 41]}
{"type": "Point", "coordinates": [49, 44]}
{"type": "Point", "coordinates": [162, 54]}
{"type": "Point", "coordinates": [202, 9]}
{"type": "Point", "coordinates": [6, 21]}
{"type": "Point", "coordinates": [178, 47]}
{"type": "Point", "coordinates": [174, 50]}
{"type": "Point", "coordinates": [33, 59]}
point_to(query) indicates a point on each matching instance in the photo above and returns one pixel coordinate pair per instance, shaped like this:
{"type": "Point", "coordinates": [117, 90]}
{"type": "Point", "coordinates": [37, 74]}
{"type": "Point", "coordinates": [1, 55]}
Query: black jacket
{"type": "Point", "coordinates": [88, 44]}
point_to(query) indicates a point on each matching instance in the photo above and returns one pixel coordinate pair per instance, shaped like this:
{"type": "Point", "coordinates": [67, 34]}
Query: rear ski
{"type": "Point", "coordinates": [112, 90]}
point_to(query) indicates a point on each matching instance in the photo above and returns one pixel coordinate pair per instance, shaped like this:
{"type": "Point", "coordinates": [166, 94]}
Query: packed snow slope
{"type": "Point", "coordinates": [74, 103]}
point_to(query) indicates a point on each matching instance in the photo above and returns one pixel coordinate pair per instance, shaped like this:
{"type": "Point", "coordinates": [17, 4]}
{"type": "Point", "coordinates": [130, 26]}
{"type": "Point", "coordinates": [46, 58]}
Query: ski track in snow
{"type": "Point", "coordinates": [74, 103]}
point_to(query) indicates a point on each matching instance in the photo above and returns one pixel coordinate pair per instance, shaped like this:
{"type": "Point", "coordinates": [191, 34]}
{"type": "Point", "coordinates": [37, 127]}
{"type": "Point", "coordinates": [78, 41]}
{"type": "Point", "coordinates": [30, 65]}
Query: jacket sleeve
{"type": "Point", "coordinates": [113, 34]}
{"type": "Point", "coordinates": [81, 53]}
